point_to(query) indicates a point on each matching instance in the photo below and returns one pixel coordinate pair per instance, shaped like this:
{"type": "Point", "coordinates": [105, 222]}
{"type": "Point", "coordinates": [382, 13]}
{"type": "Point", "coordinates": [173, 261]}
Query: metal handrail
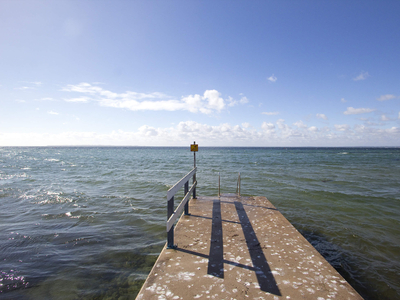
{"type": "Point", "coordinates": [219, 184]}
{"type": "Point", "coordinates": [238, 185]}
{"type": "Point", "coordinates": [172, 215]}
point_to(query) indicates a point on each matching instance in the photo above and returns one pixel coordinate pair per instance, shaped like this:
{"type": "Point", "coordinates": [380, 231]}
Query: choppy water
{"type": "Point", "coordinates": [88, 223]}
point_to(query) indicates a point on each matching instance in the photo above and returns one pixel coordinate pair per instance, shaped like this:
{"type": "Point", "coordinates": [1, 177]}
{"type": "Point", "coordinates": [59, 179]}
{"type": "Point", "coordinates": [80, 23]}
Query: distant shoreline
{"type": "Point", "coordinates": [222, 147]}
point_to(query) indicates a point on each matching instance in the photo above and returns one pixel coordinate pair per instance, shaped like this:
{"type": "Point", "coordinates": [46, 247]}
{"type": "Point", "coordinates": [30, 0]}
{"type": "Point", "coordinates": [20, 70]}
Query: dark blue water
{"type": "Point", "coordinates": [88, 223]}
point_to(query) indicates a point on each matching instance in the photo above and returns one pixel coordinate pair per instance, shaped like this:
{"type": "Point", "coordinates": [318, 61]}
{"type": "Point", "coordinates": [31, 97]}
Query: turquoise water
{"type": "Point", "coordinates": [88, 223]}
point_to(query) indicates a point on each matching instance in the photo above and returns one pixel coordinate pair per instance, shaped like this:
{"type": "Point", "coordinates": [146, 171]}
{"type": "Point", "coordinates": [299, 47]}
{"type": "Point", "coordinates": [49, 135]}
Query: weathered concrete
{"type": "Point", "coordinates": [237, 248]}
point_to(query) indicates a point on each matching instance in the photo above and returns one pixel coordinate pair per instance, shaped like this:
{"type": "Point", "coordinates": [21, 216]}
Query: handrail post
{"type": "Point", "coordinates": [219, 184]}
{"type": "Point", "coordinates": [238, 185]}
{"type": "Point", "coordinates": [170, 235]}
{"type": "Point", "coordinates": [187, 203]}
{"type": "Point", "coordinates": [172, 214]}
{"type": "Point", "coordinates": [194, 175]}
{"type": "Point", "coordinates": [194, 190]}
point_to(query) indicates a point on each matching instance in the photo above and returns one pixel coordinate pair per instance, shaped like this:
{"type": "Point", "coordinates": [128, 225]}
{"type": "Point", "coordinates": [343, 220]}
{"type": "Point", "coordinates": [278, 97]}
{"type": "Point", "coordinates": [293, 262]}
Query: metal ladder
{"type": "Point", "coordinates": [238, 184]}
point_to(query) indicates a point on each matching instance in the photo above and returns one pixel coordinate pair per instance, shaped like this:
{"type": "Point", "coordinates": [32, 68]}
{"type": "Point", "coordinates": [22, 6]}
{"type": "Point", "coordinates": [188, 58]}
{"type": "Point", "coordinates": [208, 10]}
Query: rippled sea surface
{"type": "Point", "coordinates": [88, 222]}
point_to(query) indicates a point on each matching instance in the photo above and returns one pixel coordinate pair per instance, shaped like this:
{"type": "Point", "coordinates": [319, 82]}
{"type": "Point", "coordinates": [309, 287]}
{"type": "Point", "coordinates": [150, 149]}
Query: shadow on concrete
{"type": "Point", "coordinates": [208, 218]}
{"type": "Point", "coordinates": [224, 261]}
{"type": "Point", "coordinates": [263, 272]}
{"type": "Point", "coordinates": [216, 259]}
{"type": "Point", "coordinates": [258, 206]}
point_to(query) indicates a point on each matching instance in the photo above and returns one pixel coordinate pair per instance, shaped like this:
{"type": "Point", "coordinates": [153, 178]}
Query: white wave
{"type": "Point", "coordinates": [5, 177]}
{"type": "Point", "coordinates": [53, 193]}
{"type": "Point", "coordinates": [25, 196]}
{"type": "Point", "coordinates": [69, 214]}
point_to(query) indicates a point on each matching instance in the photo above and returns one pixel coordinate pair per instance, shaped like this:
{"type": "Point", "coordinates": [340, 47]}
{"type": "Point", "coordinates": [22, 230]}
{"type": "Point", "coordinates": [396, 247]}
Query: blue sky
{"type": "Point", "coordinates": [222, 73]}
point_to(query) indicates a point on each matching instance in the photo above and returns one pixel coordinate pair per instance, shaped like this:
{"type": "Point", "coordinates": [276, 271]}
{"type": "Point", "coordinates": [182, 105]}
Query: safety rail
{"type": "Point", "coordinates": [173, 215]}
{"type": "Point", "coordinates": [238, 184]}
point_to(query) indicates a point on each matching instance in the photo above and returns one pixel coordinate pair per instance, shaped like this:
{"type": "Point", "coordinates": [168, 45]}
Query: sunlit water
{"type": "Point", "coordinates": [88, 223]}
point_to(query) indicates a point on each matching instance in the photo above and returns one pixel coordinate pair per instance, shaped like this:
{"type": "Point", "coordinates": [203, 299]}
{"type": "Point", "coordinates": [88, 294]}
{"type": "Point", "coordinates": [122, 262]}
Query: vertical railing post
{"type": "Point", "coordinates": [238, 185]}
{"type": "Point", "coordinates": [194, 190]}
{"type": "Point", "coordinates": [170, 234]}
{"type": "Point", "coordinates": [187, 203]}
{"type": "Point", "coordinates": [219, 185]}
{"type": "Point", "coordinates": [194, 175]}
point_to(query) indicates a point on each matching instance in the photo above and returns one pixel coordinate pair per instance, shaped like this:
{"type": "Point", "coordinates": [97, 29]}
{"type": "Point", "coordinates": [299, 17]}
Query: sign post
{"type": "Point", "coordinates": [194, 148]}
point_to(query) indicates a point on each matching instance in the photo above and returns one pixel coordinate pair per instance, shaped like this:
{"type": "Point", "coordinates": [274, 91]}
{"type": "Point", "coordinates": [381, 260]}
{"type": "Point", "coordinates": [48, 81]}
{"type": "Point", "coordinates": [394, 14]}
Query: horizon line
{"type": "Point", "coordinates": [137, 146]}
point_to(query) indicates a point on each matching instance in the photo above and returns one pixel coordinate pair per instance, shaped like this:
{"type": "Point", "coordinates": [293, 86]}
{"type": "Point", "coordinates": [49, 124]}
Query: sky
{"type": "Point", "coordinates": [221, 73]}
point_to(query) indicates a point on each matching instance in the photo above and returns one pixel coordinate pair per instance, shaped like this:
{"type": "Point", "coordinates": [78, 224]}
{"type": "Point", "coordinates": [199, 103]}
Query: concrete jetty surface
{"type": "Point", "coordinates": [232, 247]}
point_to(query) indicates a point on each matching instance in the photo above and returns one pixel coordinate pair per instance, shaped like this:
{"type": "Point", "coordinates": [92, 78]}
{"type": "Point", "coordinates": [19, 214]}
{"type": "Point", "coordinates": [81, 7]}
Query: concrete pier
{"type": "Point", "coordinates": [232, 247]}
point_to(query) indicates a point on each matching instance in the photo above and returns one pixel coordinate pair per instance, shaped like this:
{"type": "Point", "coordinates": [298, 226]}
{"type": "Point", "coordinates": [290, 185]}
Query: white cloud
{"type": "Point", "coordinates": [300, 124]}
{"type": "Point", "coordinates": [168, 105]}
{"type": "Point", "coordinates": [270, 113]}
{"type": "Point", "coordinates": [52, 112]}
{"type": "Point", "coordinates": [244, 100]}
{"type": "Point", "coordinates": [384, 118]}
{"type": "Point", "coordinates": [356, 111]}
{"type": "Point", "coordinates": [362, 76]}
{"type": "Point", "coordinates": [343, 100]}
{"type": "Point", "coordinates": [246, 125]}
{"type": "Point", "coordinates": [322, 116]}
{"type": "Point", "coordinates": [214, 100]}
{"type": "Point", "coordinates": [399, 115]}
{"type": "Point", "coordinates": [285, 130]}
{"type": "Point", "coordinates": [78, 99]}
{"type": "Point", "coordinates": [233, 102]}
{"type": "Point", "coordinates": [194, 102]}
{"type": "Point", "coordinates": [29, 87]}
{"type": "Point", "coordinates": [392, 130]}
{"type": "Point", "coordinates": [148, 131]}
{"type": "Point", "coordinates": [182, 134]}
{"type": "Point", "coordinates": [211, 101]}
{"type": "Point", "coordinates": [361, 128]}
{"type": "Point", "coordinates": [343, 127]}
{"type": "Point", "coordinates": [87, 88]}
{"type": "Point", "coordinates": [272, 78]}
{"type": "Point", "coordinates": [386, 97]}
{"type": "Point", "coordinates": [267, 126]}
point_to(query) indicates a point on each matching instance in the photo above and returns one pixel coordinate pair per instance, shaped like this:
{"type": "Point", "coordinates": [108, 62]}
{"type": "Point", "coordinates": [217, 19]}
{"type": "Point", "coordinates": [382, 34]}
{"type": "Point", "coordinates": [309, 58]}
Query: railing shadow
{"type": "Point", "coordinates": [208, 218]}
{"type": "Point", "coordinates": [251, 205]}
{"type": "Point", "coordinates": [216, 261]}
{"type": "Point", "coordinates": [216, 257]}
{"type": "Point", "coordinates": [263, 272]}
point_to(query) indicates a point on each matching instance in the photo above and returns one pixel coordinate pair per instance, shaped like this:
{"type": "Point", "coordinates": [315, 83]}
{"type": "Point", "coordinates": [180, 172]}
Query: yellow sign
{"type": "Point", "coordinates": [194, 147]}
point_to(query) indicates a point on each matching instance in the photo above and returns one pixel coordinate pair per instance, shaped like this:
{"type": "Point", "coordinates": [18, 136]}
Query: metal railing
{"type": "Point", "coordinates": [238, 184]}
{"type": "Point", "coordinates": [219, 184]}
{"type": "Point", "coordinates": [173, 215]}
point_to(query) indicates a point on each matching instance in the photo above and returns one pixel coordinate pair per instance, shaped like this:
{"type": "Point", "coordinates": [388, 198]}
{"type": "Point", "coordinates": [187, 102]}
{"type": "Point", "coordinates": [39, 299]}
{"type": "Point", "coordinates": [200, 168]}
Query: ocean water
{"type": "Point", "coordinates": [89, 222]}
